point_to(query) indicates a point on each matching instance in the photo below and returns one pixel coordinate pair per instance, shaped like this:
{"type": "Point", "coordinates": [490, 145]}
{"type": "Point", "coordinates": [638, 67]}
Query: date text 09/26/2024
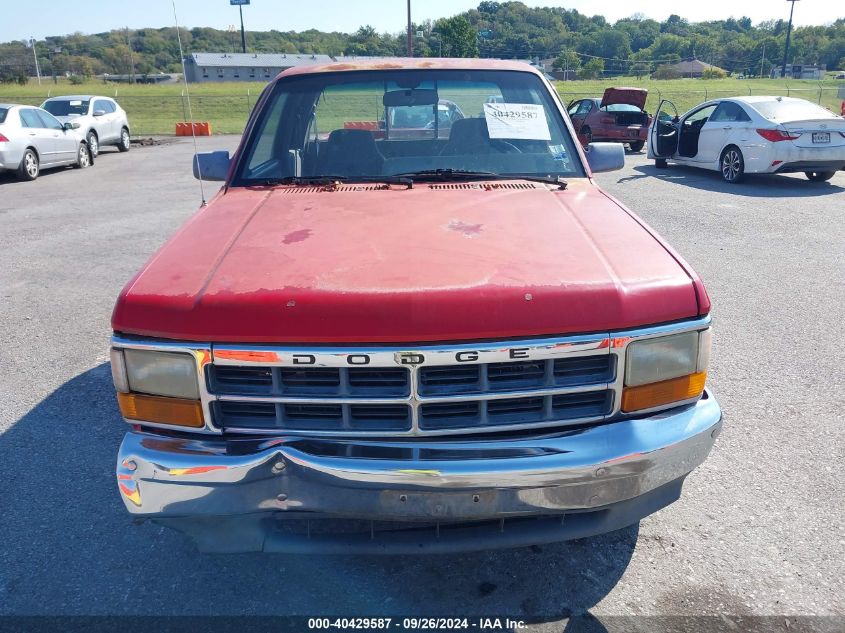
{"type": "Point", "coordinates": [416, 624]}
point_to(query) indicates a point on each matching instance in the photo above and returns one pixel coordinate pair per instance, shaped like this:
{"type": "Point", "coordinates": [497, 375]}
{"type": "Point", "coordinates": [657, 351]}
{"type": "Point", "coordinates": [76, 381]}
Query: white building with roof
{"type": "Point", "coordinates": [208, 67]}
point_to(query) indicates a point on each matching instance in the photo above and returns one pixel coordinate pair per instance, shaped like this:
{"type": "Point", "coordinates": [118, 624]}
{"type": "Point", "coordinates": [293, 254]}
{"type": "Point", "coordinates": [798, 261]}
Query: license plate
{"type": "Point", "coordinates": [821, 137]}
{"type": "Point", "coordinates": [440, 505]}
{"type": "Point", "coordinates": [633, 132]}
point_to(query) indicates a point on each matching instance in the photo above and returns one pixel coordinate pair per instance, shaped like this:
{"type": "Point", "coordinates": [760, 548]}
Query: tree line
{"type": "Point", "coordinates": [590, 45]}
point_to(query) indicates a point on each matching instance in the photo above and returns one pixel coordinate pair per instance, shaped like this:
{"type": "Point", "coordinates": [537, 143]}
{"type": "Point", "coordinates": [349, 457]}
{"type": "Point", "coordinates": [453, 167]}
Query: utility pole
{"type": "Point", "coordinates": [243, 33]}
{"type": "Point", "coordinates": [35, 55]}
{"type": "Point", "coordinates": [131, 58]}
{"type": "Point", "coordinates": [762, 60]}
{"type": "Point", "coordinates": [788, 33]}
{"type": "Point", "coordinates": [52, 54]}
{"type": "Point", "coordinates": [240, 4]}
{"type": "Point", "coordinates": [410, 36]}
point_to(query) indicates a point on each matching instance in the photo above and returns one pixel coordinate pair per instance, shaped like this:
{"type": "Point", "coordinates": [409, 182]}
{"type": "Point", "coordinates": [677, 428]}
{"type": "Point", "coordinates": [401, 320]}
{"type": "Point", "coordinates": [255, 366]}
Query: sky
{"type": "Point", "coordinates": [22, 19]}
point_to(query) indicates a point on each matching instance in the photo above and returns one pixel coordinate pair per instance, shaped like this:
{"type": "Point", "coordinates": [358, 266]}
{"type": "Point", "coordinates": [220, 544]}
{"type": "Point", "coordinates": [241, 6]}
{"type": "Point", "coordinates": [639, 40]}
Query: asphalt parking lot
{"type": "Point", "coordinates": [758, 531]}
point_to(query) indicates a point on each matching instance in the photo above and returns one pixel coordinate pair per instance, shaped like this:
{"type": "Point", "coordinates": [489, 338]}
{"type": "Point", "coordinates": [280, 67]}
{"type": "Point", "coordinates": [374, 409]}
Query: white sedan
{"type": "Point", "coordinates": [750, 135]}
{"type": "Point", "coordinates": [32, 139]}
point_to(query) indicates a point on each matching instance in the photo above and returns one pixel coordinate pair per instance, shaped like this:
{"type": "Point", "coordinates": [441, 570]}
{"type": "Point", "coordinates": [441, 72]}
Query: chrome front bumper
{"type": "Point", "coordinates": [228, 492]}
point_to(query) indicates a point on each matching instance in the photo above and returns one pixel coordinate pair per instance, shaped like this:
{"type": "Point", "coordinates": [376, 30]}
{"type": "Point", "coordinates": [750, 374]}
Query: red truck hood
{"type": "Point", "coordinates": [630, 96]}
{"type": "Point", "coordinates": [363, 264]}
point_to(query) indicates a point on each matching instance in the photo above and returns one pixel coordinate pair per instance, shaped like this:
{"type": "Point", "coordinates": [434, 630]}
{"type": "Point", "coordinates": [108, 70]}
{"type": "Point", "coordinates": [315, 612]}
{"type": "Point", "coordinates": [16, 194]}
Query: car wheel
{"type": "Point", "coordinates": [93, 143]}
{"type": "Point", "coordinates": [819, 176]}
{"type": "Point", "coordinates": [587, 133]}
{"type": "Point", "coordinates": [125, 143]}
{"type": "Point", "coordinates": [637, 146]}
{"type": "Point", "coordinates": [732, 165]}
{"type": "Point", "coordinates": [83, 156]}
{"type": "Point", "coordinates": [660, 163]}
{"type": "Point", "coordinates": [29, 167]}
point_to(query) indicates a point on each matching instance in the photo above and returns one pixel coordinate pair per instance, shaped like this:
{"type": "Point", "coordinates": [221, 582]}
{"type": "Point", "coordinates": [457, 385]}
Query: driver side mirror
{"type": "Point", "coordinates": [71, 125]}
{"type": "Point", "coordinates": [605, 156]}
{"type": "Point", "coordinates": [212, 165]}
{"type": "Point", "coordinates": [99, 112]}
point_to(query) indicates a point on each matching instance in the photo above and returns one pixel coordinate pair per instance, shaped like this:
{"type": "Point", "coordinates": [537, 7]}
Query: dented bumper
{"type": "Point", "coordinates": [229, 493]}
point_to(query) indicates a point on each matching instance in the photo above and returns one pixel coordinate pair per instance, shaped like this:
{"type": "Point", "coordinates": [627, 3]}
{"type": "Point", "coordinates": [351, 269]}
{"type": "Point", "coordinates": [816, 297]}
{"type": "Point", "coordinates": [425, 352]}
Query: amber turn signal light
{"type": "Point", "coordinates": [161, 410]}
{"type": "Point", "coordinates": [658, 394]}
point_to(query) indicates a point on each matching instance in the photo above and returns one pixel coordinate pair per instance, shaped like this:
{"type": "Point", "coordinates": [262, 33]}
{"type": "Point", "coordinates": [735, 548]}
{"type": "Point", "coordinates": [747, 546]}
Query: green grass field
{"type": "Point", "coordinates": [687, 93]}
{"type": "Point", "coordinates": [155, 109]}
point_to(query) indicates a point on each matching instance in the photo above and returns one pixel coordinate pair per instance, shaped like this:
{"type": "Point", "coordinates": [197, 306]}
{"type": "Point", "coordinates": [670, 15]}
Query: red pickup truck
{"type": "Point", "coordinates": [427, 343]}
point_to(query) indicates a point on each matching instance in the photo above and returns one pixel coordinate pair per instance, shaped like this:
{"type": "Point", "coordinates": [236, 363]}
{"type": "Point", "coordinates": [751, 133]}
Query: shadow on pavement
{"type": "Point", "coordinates": [8, 177]}
{"type": "Point", "coordinates": [755, 185]}
{"type": "Point", "coordinates": [69, 547]}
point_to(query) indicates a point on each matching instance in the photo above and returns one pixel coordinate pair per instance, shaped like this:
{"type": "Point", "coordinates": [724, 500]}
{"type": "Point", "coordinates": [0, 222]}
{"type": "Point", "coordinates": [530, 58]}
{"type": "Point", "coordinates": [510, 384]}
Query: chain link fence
{"type": "Point", "coordinates": [228, 113]}
{"type": "Point", "coordinates": [158, 114]}
{"type": "Point", "coordinates": [684, 100]}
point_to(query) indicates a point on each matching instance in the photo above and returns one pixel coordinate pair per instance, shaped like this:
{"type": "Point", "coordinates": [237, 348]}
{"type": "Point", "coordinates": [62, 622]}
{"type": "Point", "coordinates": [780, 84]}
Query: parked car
{"type": "Point", "coordinates": [461, 343]}
{"type": "Point", "coordinates": [750, 135]}
{"type": "Point", "coordinates": [32, 139]}
{"type": "Point", "coordinates": [619, 116]}
{"type": "Point", "coordinates": [418, 122]}
{"type": "Point", "coordinates": [101, 119]}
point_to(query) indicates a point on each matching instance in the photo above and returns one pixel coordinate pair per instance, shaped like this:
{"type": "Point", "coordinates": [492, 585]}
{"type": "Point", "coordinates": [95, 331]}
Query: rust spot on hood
{"type": "Point", "coordinates": [297, 236]}
{"type": "Point", "coordinates": [469, 230]}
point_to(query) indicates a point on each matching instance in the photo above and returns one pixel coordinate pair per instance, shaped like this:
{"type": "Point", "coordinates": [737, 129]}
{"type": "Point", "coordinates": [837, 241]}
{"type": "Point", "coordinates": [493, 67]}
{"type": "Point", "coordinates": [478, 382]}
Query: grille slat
{"type": "Point", "coordinates": [516, 376]}
{"type": "Point", "coordinates": [327, 382]}
{"type": "Point", "coordinates": [463, 397]}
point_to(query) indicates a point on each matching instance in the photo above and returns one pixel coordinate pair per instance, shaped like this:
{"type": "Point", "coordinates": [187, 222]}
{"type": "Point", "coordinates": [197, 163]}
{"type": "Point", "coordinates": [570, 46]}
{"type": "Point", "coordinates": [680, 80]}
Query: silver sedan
{"type": "Point", "coordinates": [32, 139]}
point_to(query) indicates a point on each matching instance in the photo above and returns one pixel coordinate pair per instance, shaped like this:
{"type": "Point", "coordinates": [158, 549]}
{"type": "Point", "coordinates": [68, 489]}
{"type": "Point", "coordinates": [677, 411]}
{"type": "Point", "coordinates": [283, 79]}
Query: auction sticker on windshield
{"type": "Point", "coordinates": [517, 121]}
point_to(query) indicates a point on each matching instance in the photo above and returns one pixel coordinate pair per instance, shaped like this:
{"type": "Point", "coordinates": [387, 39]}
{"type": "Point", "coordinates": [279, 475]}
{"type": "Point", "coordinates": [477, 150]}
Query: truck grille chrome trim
{"type": "Point", "coordinates": [406, 391]}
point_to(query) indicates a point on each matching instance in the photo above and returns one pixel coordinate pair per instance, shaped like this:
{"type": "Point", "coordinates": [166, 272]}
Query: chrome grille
{"type": "Point", "coordinates": [498, 377]}
{"type": "Point", "coordinates": [292, 416]}
{"type": "Point", "coordinates": [523, 410]}
{"type": "Point", "coordinates": [339, 392]}
{"type": "Point", "coordinates": [329, 382]}
{"type": "Point", "coordinates": [562, 383]}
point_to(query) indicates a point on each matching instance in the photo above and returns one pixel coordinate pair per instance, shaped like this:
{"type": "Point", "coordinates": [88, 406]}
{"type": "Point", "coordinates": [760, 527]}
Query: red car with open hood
{"type": "Point", "coordinates": [445, 339]}
{"type": "Point", "coordinates": [618, 117]}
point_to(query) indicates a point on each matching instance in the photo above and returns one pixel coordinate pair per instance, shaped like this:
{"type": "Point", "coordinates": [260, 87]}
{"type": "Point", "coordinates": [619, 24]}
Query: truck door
{"type": "Point", "coordinates": [663, 135]}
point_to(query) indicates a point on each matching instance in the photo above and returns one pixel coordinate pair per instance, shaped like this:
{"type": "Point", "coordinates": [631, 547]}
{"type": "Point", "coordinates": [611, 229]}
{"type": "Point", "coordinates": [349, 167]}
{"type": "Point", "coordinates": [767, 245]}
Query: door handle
{"type": "Point", "coordinates": [32, 133]}
{"type": "Point", "coordinates": [727, 127]}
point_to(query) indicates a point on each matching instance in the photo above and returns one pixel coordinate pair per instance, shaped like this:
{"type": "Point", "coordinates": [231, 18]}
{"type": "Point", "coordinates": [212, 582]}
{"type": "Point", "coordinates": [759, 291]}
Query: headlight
{"type": "Point", "coordinates": [159, 387]}
{"type": "Point", "coordinates": [666, 369]}
{"type": "Point", "coordinates": [162, 373]}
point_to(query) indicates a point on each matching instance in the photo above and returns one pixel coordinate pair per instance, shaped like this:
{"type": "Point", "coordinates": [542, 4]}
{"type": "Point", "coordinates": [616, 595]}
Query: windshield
{"type": "Point", "coordinates": [620, 107]}
{"type": "Point", "coordinates": [66, 107]}
{"type": "Point", "coordinates": [791, 110]}
{"type": "Point", "coordinates": [371, 124]}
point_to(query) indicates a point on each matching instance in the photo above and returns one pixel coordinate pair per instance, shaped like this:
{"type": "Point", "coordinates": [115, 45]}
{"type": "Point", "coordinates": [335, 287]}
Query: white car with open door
{"type": "Point", "coordinates": [750, 135]}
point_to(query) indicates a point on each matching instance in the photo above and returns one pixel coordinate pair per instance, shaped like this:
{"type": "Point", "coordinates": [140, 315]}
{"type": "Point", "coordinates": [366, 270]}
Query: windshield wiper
{"type": "Point", "coordinates": [329, 180]}
{"type": "Point", "coordinates": [464, 174]}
